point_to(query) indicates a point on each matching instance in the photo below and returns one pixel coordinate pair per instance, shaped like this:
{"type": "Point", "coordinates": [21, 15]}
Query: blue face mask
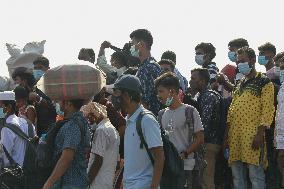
{"type": "Point", "coordinates": [38, 74]}
{"type": "Point", "coordinates": [262, 60]}
{"type": "Point", "coordinates": [244, 68]}
{"type": "Point", "coordinates": [134, 52]}
{"type": "Point", "coordinates": [281, 76]}
{"type": "Point", "coordinates": [2, 114]}
{"type": "Point", "coordinates": [169, 101]}
{"type": "Point", "coordinates": [199, 59]}
{"type": "Point", "coordinates": [58, 110]}
{"type": "Point", "coordinates": [232, 56]}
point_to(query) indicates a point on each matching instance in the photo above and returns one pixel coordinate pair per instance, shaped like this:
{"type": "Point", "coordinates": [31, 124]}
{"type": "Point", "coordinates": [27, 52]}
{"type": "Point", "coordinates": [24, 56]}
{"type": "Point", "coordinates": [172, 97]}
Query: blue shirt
{"type": "Point", "coordinates": [138, 169]}
{"type": "Point", "coordinates": [73, 136]}
{"type": "Point", "coordinates": [147, 73]}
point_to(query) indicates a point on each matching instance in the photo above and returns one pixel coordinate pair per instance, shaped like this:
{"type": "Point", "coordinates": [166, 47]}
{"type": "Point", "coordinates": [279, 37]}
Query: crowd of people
{"type": "Point", "coordinates": [227, 126]}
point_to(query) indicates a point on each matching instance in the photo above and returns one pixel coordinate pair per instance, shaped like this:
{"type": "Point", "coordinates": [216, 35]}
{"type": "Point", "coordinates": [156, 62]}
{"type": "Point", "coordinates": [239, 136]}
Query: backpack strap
{"type": "Point", "coordinates": [160, 116]}
{"type": "Point", "coordinates": [11, 160]}
{"type": "Point", "coordinates": [17, 131]}
{"type": "Point", "coordinates": [140, 133]}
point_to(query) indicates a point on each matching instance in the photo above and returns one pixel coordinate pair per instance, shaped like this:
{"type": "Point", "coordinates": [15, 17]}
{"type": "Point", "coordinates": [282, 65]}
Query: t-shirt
{"type": "Point", "coordinates": [105, 144]}
{"type": "Point", "coordinates": [174, 122]}
{"type": "Point", "coordinates": [138, 169]}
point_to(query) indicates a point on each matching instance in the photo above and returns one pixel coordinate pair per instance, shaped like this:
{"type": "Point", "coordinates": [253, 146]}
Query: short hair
{"type": "Point", "coordinates": [90, 52]}
{"type": "Point", "coordinates": [268, 47]}
{"type": "Point", "coordinates": [167, 62]}
{"type": "Point", "coordinates": [42, 61]}
{"type": "Point", "coordinates": [24, 74]}
{"type": "Point", "coordinates": [208, 48]}
{"type": "Point", "coordinates": [170, 55]}
{"type": "Point", "coordinates": [203, 73]}
{"type": "Point", "coordinates": [239, 43]}
{"type": "Point", "coordinates": [21, 93]}
{"type": "Point", "coordinates": [246, 50]}
{"type": "Point", "coordinates": [143, 35]}
{"type": "Point", "coordinates": [131, 71]}
{"type": "Point", "coordinates": [120, 57]}
{"type": "Point", "coordinates": [168, 80]}
{"type": "Point", "coordinates": [10, 102]}
{"type": "Point", "coordinates": [278, 57]}
{"type": "Point", "coordinates": [77, 103]}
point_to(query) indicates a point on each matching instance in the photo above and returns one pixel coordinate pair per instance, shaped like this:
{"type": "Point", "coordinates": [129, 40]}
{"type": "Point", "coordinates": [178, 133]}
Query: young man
{"type": "Point", "coordinates": [167, 65]}
{"type": "Point", "coordinates": [170, 55]}
{"type": "Point", "coordinates": [209, 109]}
{"type": "Point", "coordinates": [87, 55]}
{"type": "Point", "coordinates": [173, 119]}
{"type": "Point", "coordinates": [72, 143]}
{"type": "Point", "coordinates": [149, 70]}
{"type": "Point", "coordinates": [139, 173]}
{"type": "Point", "coordinates": [105, 148]}
{"type": "Point", "coordinates": [41, 65]}
{"type": "Point", "coordinates": [251, 112]}
{"type": "Point", "coordinates": [278, 134]}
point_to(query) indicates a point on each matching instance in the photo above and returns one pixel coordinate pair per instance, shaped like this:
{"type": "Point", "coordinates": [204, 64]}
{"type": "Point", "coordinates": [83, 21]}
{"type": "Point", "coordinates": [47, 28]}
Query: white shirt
{"type": "Point", "coordinates": [105, 144]}
{"type": "Point", "coordinates": [15, 145]}
{"type": "Point", "coordinates": [279, 120]}
{"type": "Point", "coordinates": [108, 69]}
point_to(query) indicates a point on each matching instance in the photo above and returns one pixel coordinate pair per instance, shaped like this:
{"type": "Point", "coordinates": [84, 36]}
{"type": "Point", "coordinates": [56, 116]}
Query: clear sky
{"type": "Point", "coordinates": [69, 25]}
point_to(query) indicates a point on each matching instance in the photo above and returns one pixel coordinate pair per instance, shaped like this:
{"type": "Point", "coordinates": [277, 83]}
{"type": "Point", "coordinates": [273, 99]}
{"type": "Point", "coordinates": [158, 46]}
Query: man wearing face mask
{"type": "Point", "coordinates": [149, 70]}
{"type": "Point", "coordinates": [127, 96]}
{"type": "Point", "coordinates": [41, 65]}
{"type": "Point", "coordinates": [209, 109]}
{"type": "Point", "coordinates": [251, 112]}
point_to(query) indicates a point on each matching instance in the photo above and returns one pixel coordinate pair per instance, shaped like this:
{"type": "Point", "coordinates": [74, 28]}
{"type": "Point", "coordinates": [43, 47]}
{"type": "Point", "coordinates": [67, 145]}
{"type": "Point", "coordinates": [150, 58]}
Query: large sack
{"type": "Point", "coordinates": [74, 81]}
{"type": "Point", "coordinates": [25, 57]}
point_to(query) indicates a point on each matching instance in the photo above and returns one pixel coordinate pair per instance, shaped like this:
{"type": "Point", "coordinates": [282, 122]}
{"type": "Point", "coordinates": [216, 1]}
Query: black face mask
{"type": "Point", "coordinates": [116, 101]}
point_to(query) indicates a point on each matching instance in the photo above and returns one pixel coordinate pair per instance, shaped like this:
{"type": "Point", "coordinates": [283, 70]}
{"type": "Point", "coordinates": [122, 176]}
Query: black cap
{"type": "Point", "coordinates": [128, 82]}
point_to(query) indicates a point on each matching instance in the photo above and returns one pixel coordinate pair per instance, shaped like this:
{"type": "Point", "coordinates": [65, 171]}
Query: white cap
{"type": "Point", "coordinates": [7, 95]}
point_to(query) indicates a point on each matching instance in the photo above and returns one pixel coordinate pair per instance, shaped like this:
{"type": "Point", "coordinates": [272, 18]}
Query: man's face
{"type": "Point", "coordinates": [268, 54]}
{"type": "Point", "coordinates": [163, 93]}
{"type": "Point", "coordinates": [19, 81]}
{"type": "Point", "coordinates": [40, 67]}
{"type": "Point", "coordinates": [166, 68]}
{"type": "Point", "coordinates": [20, 103]}
{"type": "Point", "coordinates": [195, 81]}
{"type": "Point", "coordinates": [120, 99]}
{"type": "Point", "coordinates": [242, 58]}
{"type": "Point", "coordinates": [201, 52]}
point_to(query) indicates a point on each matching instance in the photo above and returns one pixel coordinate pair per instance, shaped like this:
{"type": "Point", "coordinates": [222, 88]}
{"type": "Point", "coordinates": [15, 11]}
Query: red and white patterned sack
{"type": "Point", "coordinates": [74, 81]}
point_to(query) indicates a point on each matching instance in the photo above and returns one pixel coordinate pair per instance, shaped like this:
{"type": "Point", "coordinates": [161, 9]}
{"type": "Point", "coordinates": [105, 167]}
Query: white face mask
{"type": "Point", "coordinates": [134, 52]}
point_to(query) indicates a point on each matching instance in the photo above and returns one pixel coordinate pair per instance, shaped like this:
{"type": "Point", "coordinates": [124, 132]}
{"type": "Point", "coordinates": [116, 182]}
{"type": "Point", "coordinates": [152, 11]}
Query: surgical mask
{"type": "Point", "coordinates": [244, 68]}
{"type": "Point", "coordinates": [239, 76]}
{"type": "Point", "coordinates": [232, 56]}
{"type": "Point", "coordinates": [116, 101]}
{"type": "Point", "coordinates": [262, 60]}
{"type": "Point", "coordinates": [199, 59]}
{"type": "Point", "coordinates": [38, 74]}
{"type": "Point", "coordinates": [281, 76]}
{"type": "Point", "coordinates": [58, 110]}
{"type": "Point", "coordinates": [2, 114]}
{"type": "Point", "coordinates": [134, 52]}
{"type": "Point", "coordinates": [273, 73]}
{"type": "Point", "coordinates": [169, 101]}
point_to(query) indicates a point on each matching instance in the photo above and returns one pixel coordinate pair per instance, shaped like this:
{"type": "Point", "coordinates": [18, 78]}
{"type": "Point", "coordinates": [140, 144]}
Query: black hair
{"type": "Point", "coordinates": [120, 57]}
{"type": "Point", "coordinates": [10, 102]}
{"type": "Point", "coordinates": [170, 55]}
{"type": "Point", "coordinates": [278, 56]}
{"type": "Point", "coordinates": [167, 62]}
{"type": "Point", "coordinates": [239, 43]}
{"type": "Point", "coordinates": [208, 48]}
{"type": "Point", "coordinates": [21, 93]}
{"type": "Point", "coordinates": [246, 50]}
{"type": "Point", "coordinates": [168, 80]}
{"type": "Point", "coordinates": [203, 74]}
{"type": "Point", "coordinates": [90, 52]}
{"type": "Point", "coordinates": [24, 74]}
{"type": "Point", "coordinates": [143, 35]}
{"type": "Point", "coordinates": [131, 71]}
{"type": "Point", "coordinates": [268, 47]}
{"type": "Point", "coordinates": [42, 61]}
{"type": "Point", "coordinates": [77, 103]}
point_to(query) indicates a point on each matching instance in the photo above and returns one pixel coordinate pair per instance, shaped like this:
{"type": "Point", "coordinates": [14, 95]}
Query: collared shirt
{"type": "Point", "coordinates": [279, 120]}
{"type": "Point", "coordinates": [15, 145]}
{"type": "Point", "coordinates": [212, 69]}
{"type": "Point", "coordinates": [209, 109]}
{"type": "Point", "coordinates": [76, 137]}
{"type": "Point", "coordinates": [106, 145]}
{"type": "Point", "coordinates": [147, 73]}
{"type": "Point", "coordinates": [252, 106]}
{"type": "Point", "coordinates": [138, 169]}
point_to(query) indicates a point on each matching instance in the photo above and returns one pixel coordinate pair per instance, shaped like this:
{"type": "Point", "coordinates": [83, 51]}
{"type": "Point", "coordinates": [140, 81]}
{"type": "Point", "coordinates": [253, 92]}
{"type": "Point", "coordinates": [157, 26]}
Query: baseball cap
{"type": "Point", "coordinates": [128, 82]}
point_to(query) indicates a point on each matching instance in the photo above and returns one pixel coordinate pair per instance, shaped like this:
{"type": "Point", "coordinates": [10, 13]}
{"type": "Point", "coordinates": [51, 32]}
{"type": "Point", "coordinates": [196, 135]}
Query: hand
{"type": "Point", "coordinates": [33, 97]}
{"type": "Point", "coordinates": [183, 155]}
{"type": "Point", "coordinates": [105, 45]}
{"type": "Point", "coordinates": [258, 141]}
{"type": "Point", "coordinates": [221, 78]}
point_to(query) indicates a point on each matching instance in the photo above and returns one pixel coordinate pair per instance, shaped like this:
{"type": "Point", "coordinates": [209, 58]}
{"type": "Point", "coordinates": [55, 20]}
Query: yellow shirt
{"type": "Point", "coordinates": [252, 106]}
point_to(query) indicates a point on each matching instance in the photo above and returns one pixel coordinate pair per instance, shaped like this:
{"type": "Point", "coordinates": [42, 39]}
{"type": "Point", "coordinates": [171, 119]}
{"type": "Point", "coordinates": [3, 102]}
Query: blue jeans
{"type": "Point", "coordinates": [256, 175]}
